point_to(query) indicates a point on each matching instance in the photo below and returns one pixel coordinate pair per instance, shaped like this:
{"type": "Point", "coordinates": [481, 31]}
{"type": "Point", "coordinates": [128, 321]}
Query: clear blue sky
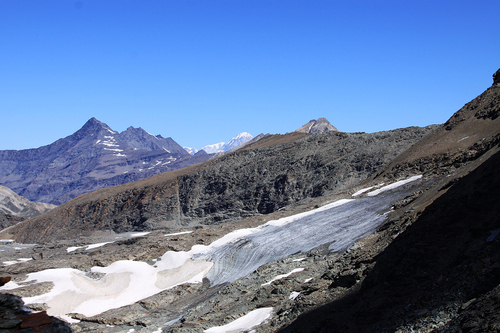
{"type": "Point", "coordinates": [202, 71]}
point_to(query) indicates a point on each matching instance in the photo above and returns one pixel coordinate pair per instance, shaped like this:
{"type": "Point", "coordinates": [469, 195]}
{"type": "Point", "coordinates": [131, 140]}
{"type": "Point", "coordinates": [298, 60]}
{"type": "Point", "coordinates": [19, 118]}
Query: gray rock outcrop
{"type": "Point", "coordinates": [321, 125]}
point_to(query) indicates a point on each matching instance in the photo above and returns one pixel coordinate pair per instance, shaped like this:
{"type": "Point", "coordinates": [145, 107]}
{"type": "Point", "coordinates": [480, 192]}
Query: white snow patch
{"type": "Point", "coordinates": [393, 185]}
{"type": "Point", "coordinates": [463, 139]}
{"type": "Point", "coordinates": [179, 233]}
{"type": "Point", "coordinates": [294, 295]}
{"type": "Point", "coordinates": [300, 259]}
{"type": "Point", "coordinates": [113, 149]}
{"type": "Point", "coordinates": [93, 246]}
{"type": "Point", "coordinates": [120, 155]}
{"type": "Point", "coordinates": [282, 276]}
{"type": "Point", "coordinates": [307, 280]}
{"type": "Point", "coordinates": [363, 190]}
{"type": "Point", "coordinates": [88, 247]}
{"type": "Point", "coordinates": [140, 234]}
{"type": "Point", "coordinates": [245, 323]}
{"type": "Point", "coordinates": [10, 285]}
{"type": "Point", "coordinates": [17, 261]}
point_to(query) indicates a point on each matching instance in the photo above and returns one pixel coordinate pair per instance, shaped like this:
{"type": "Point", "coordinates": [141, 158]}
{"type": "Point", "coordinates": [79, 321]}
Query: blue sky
{"type": "Point", "coordinates": [202, 71]}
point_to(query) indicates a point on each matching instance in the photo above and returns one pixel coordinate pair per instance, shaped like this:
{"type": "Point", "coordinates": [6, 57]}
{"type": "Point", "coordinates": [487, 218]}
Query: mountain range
{"type": "Point", "coordinates": [394, 231]}
{"type": "Point", "coordinates": [92, 158]}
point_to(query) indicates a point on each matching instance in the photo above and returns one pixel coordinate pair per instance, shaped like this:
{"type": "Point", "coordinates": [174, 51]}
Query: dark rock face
{"type": "Point", "coordinates": [92, 158]}
{"type": "Point", "coordinates": [496, 77]}
{"type": "Point", "coordinates": [444, 265]}
{"type": "Point", "coordinates": [258, 179]}
{"type": "Point", "coordinates": [14, 318]}
{"type": "Point", "coordinates": [6, 220]}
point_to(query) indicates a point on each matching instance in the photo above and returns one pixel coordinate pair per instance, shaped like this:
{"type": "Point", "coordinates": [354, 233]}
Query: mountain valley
{"type": "Point", "coordinates": [312, 231]}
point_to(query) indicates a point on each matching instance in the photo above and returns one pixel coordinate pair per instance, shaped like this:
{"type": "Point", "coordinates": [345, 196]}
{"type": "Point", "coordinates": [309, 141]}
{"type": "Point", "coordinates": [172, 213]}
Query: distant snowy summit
{"type": "Point", "coordinates": [222, 146]}
{"type": "Point", "coordinates": [317, 126]}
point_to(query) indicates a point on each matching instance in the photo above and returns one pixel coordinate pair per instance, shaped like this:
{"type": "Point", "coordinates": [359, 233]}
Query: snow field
{"type": "Point", "coordinates": [393, 185]}
{"type": "Point", "coordinates": [282, 276]}
{"type": "Point", "coordinates": [245, 323]}
{"type": "Point", "coordinates": [125, 282]}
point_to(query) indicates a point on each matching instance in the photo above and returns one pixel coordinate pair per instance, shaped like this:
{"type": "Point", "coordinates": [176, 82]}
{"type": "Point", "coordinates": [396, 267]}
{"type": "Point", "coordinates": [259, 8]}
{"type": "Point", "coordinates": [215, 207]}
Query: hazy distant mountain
{"type": "Point", "coordinates": [222, 146]}
{"type": "Point", "coordinates": [13, 204]}
{"type": "Point", "coordinates": [317, 126]}
{"type": "Point", "coordinates": [92, 158]}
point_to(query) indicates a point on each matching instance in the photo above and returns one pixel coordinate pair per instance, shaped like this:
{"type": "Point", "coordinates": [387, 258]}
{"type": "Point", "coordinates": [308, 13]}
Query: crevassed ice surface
{"type": "Point", "coordinates": [341, 226]}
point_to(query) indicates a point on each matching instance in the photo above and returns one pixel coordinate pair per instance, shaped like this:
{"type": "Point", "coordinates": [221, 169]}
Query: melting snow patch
{"type": "Point", "coordinates": [88, 247]}
{"type": "Point", "coordinates": [124, 282]}
{"type": "Point", "coordinates": [363, 190]}
{"type": "Point", "coordinates": [17, 261]}
{"type": "Point", "coordinates": [139, 234]}
{"type": "Point", "coordinates": [393, 185]}
{"type": "Point", "coordinates": [294, 295]}
{"type": "Point", "coordinates": [93, 246]}
{"type": "Point", "coordinates": [245, 323]}
{"type": "Point", "coordinates": [463, 139]}
{"type": "Point", "coordinates": [282, 276]}
{"type": "Point", "coordinates": [307, 280]}
{"type": "Point", "coordinates": [300, 259]}
{"type": "Point", "coordinates": [179, 233]}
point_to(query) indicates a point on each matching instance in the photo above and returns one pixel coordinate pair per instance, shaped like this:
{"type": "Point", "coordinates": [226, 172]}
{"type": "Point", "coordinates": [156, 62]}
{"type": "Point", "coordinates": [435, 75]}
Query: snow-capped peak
{"type": "Point", "coordinates": [190, 150]}
{"type": "Point", "coordinates": [222, 146]}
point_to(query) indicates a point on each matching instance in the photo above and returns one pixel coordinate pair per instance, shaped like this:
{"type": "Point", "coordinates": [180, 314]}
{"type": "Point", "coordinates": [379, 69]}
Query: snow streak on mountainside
{"type": "Point", "coordinates": [92, 158]}
{"type": "Point", "coordinates": [222, 146]}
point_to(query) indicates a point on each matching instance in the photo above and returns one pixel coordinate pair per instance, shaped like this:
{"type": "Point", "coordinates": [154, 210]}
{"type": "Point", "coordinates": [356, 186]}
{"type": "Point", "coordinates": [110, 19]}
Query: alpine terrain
{"type": "Point", "coordinates": [312, 231]}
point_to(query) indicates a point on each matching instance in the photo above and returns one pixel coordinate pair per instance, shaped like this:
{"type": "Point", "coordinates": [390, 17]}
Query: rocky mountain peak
{"type": "Point", "coordinates": [317, 126]}
{"type": "Point", "coordinates": [496, 77]}
{"type": "Point", "coordinates": [93, 125]}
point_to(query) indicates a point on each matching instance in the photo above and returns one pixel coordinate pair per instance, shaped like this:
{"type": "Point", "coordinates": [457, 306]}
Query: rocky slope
{"type": "Point", "coordinates": [260, 178]}
{"type": "Point", "coordinates": [92, 158]}
{"type": "Point", "coordinates": [7, 220]}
